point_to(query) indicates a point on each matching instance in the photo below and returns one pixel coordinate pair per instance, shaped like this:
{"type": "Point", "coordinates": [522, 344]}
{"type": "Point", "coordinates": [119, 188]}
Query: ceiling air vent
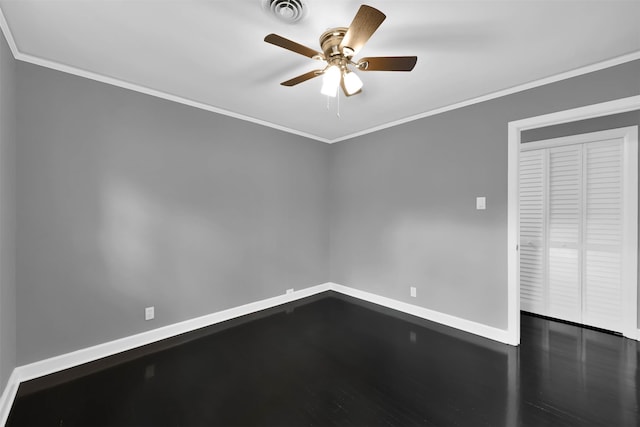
{"type": "Point", "coordinates": [286, 10]}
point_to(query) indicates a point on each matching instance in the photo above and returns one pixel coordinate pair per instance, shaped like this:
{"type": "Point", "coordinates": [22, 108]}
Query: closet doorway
{"type": "Point", "coordinates": [630, 234]}
{"type": "Point", "coordinates": [575, 226]}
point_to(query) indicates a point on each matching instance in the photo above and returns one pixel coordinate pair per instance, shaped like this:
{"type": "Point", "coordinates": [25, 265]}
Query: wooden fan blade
{"type": "Point", "coordinates": [292, 46]}
{"type": "Point", "coordinates": [364, 24]}
{"type": "Point", "coordinates": [388, 63]}
{"type": "Point", "coordinates": [302, 78]}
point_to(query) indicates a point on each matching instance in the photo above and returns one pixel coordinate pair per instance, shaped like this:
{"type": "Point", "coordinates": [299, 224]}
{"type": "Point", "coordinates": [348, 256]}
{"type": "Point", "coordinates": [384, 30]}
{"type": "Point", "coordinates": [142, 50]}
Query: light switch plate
{"type": "Point", "coordinates": [481, 203]}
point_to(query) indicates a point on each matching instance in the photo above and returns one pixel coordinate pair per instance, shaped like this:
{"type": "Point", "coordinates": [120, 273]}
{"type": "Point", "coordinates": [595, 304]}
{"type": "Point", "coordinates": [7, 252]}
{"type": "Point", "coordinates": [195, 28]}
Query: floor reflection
{"type": "Point", "coordinates": [576, 375]}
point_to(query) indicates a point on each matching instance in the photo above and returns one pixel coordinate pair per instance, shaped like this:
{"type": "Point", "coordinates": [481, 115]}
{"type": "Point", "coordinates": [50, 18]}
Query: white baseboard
{"type": "Point", "coordinates": [85, 355]}
{"type": "Point", "coordinates": [8, 396]}
{"type": "Point", "coordinates": [90, 354]}
{"type": "Point", "coordinates": [496, 334]}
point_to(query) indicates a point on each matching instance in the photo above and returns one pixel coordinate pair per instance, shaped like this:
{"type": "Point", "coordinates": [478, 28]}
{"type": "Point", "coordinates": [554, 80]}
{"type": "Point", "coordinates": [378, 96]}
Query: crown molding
{"type": "Point", "coordinates": [4, 26]}
{"type": "Point", "coordinates": [32, 59]}
{"type": "Point", "coordinates": [20, 56]}
{"type": "Point", "coordinates": [504, 92]}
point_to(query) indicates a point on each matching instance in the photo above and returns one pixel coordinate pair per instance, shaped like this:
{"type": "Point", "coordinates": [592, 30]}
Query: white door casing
{"type": "Point", "coordinates": [630, 153]}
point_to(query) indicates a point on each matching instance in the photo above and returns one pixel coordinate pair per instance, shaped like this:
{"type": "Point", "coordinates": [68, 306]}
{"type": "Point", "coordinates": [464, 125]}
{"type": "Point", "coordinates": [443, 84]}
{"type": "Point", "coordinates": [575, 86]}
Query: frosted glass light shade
{"type": "Point", "coordinates": [352, 82]}
{"type": "Point", "coordinates": [331, 81]}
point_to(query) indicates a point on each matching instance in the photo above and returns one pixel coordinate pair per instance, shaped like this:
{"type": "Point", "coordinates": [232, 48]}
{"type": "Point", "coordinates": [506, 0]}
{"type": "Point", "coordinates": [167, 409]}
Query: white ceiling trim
{"type": "Point", "coordinates": [185, 101]}
{"type": "Point", "coordinates": [7, 34]}
{"type": "Point", "coordinates": [519, 88]}
{"type": "Point", "coordinates": [159, 94]}
{"type": "Point", "coordinates": [135, 87]}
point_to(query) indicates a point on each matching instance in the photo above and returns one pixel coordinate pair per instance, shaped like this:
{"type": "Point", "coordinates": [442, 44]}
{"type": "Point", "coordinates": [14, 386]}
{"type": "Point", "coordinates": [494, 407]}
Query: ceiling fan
{"type": "Point", "coordinates": [339, 45]}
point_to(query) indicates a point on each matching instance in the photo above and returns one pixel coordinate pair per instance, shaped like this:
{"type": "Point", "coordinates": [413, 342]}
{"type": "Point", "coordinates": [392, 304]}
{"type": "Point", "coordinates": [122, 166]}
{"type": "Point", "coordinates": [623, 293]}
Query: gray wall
{"type": "Point", "coordinates": [630, 118]}
{"type": "Point", "coordinates": [127, 201]}
{"type": "Point", "coordinates": [7, 214]}
{"type": "Point", "coordinates": [403, 200]}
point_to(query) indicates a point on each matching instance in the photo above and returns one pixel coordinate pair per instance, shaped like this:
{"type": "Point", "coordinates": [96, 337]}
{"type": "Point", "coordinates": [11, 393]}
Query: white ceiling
{"type": "Point", "coordinates": [211, 53]}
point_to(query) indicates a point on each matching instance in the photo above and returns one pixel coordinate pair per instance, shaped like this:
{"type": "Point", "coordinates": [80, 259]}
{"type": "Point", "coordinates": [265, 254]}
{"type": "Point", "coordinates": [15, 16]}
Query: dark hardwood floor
{"type": "Point", "coordinates": [335, 361]}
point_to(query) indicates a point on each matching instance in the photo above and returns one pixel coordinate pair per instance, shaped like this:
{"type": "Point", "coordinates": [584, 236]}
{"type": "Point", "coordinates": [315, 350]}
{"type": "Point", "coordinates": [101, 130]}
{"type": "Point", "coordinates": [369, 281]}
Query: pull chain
{"type": "Point", "coordinates": [337, 105]}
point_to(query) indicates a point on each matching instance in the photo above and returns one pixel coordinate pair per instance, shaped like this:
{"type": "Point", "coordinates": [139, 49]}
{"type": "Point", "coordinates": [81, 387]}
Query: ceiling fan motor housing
{"type": "Point", "coordinates": [289, 11]}
{"type": "Point", "coordinates": [330, 42]}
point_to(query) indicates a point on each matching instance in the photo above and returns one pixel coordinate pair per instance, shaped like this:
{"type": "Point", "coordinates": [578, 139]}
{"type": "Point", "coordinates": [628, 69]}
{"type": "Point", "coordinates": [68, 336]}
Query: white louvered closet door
{"type": "Point", "coordinates": [572, 230]}
{"type": "Point", "coordinates": [532, 229]}
{"type": "Point", "coordinates": [602, 231]}
{"type": "Point", "coordinates": [564, 214]}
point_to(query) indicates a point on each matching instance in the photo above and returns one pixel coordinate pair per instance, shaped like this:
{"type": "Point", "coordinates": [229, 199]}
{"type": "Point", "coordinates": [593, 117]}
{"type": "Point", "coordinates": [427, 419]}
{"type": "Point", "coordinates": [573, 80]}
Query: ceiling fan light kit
{"type": "Point", "coordinates": [339, 45]}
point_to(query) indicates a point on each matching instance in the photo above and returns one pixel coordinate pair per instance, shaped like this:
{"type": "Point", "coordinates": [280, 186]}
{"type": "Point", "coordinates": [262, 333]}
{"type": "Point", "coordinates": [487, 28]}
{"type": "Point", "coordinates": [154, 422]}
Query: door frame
{"type": "Point", "coordinates": [513, 198]}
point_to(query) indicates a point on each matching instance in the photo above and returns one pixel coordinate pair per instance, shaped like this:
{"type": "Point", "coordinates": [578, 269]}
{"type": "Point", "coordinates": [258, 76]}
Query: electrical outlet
{"type": "Point", "coordinates": [290, 291]}
{"type": "Point", "coordinates": [413, 337]}
{"type": "Point", "coordinates": [149, 313]}
{"type": "Point", "coordinates": [413, 291]}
